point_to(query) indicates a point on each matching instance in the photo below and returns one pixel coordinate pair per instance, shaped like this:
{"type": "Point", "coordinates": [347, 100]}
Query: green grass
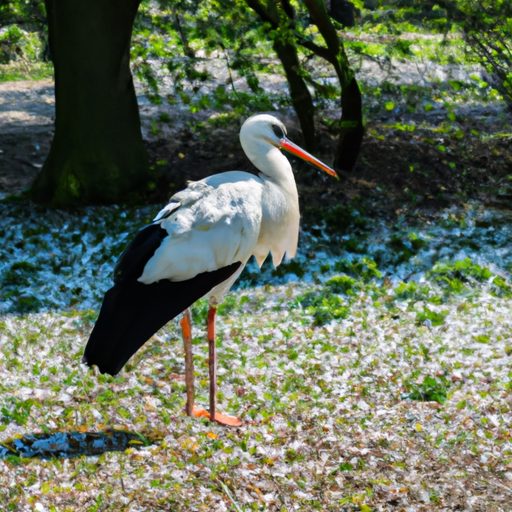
{"type": "Point", "coordinates": [21, 70]}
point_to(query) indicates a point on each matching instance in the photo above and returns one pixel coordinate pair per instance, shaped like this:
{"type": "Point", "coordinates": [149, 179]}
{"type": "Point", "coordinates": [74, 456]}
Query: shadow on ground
{"type": "Point", "coordinates": [70, 444]}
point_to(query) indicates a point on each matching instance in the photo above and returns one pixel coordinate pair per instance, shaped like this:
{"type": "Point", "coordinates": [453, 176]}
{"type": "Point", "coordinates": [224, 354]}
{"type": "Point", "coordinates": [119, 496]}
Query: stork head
{"type": "Point", "coordinates": [262, 132]}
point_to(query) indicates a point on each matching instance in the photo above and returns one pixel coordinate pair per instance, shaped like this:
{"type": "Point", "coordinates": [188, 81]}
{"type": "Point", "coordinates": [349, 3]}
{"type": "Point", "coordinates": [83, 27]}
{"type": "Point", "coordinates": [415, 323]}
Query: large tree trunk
{"type": "Point", "coordinates": [97, 154]}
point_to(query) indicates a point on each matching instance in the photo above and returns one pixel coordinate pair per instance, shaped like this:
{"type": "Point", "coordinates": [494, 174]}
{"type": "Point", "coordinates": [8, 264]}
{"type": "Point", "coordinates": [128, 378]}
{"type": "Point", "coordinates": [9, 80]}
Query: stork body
{"type": "Point", "coordinates": [197, 246]}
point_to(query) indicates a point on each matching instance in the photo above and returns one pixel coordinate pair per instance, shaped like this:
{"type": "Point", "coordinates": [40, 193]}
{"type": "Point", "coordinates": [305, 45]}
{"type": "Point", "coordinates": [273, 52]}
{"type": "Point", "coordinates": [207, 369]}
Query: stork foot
{"type": "Point", "coordinates": [223, 419]}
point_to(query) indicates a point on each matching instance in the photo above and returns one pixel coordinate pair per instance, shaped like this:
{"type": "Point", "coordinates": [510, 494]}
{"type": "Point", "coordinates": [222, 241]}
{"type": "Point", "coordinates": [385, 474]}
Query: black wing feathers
{"type": "Point", "coordinates": [132, 311]}
{"type": "Point", "coordinates": [138, 252]}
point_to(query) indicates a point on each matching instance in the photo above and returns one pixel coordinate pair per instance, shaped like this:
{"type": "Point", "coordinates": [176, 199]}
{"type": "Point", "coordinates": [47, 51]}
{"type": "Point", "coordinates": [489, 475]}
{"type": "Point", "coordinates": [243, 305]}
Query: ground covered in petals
{"type": "Point", "coordinates": [369, 376]}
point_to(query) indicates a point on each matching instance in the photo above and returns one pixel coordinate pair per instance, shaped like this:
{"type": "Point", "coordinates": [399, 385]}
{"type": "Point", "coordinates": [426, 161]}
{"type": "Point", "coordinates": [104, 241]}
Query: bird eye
{"type": "Point", "coordinates": [278, 131]}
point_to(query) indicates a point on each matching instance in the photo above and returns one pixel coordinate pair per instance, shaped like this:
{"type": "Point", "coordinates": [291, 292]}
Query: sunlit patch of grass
{"type": "Point", "coordinates": [461, 269]}
{"type": "Point", "coordinates": [23, 70]}
{"type": "Point", "coordinates": [500, 287]}
{"type": "Point", "coordinates": [412, 290]}
{"type": "Point", "coordinates": [344, 284]}
{"type": "Point", "coordinates": [460, 276]}
{"type": "Point", "coordinates": [364, 267]}
{"type": "Point", "coordinates": [428, 389]}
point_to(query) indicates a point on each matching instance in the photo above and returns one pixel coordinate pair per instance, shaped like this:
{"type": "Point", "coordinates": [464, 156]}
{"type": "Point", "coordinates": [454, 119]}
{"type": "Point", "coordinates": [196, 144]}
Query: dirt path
{"type": "Point", "coordinates": [27, 115]}
{"type": "Point", "coordinates": [26, 130]}
{"type": "Point", "coordinates": [410, 155]}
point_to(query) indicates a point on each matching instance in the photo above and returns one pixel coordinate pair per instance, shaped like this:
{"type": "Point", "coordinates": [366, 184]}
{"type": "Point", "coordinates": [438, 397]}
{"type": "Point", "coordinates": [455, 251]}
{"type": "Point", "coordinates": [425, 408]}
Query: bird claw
{"type": "Point", "coordinates": [223, 419]}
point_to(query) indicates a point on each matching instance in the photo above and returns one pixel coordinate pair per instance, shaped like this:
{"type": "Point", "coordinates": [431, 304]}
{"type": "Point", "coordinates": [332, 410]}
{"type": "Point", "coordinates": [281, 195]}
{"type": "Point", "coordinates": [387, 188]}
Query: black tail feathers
{"type": "Point", "coordinates": [132, 312]}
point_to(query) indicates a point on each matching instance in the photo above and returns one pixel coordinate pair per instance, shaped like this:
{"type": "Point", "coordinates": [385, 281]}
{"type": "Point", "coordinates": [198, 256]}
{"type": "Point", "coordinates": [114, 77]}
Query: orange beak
{"type": "Point", "coordinates": [284, 143]}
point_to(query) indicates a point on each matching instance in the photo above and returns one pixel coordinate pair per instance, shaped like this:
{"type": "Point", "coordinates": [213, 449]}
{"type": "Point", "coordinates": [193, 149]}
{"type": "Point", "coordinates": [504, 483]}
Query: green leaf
{"type": "Point", "coordinates": [455, 84]}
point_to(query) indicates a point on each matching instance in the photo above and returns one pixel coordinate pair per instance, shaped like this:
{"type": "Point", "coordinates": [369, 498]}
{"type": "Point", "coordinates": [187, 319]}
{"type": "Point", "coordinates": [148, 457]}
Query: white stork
{"type": "Point", "coordinates": [197, 246]}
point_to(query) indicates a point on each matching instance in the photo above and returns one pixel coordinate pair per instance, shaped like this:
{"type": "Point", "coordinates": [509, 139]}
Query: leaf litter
{"type": "Point", "coordinates": [376, 378]}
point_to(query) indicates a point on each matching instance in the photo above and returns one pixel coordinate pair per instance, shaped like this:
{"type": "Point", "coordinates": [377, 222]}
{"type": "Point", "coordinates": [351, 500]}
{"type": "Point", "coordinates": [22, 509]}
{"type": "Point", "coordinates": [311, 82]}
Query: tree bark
{"type": "Point", "coordinates": [287, 53]}
{"type": "Point", "coordinates": [299, 92]}
{"type": "Point", "coordinates": [351, 127]}
{"type": "Point", "coordinates": [97, 155]}
{"type": "Point", "coordinates": [351, 123]}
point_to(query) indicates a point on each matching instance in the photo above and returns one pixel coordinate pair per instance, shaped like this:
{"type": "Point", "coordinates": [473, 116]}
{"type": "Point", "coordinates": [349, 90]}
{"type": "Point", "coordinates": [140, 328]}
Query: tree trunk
{"type": "Point", "coordinates": [97, 154]}
{"type": "Point", "coordinates": [299, 92]}
{"type": "Point", "coordinates": [351, 123]}
{"type": "Point", "coordinates": [343, 12]}
{"type": "Point", "coordinates": [351, 127]}
{"type": "Point", "coordinates": [287, 53]}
